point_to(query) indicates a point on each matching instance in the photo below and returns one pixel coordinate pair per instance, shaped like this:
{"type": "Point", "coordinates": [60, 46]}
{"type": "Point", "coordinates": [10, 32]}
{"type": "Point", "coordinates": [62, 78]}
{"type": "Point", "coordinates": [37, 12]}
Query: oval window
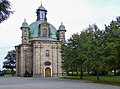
{"type": "Point", "coordinates": [47, 63]}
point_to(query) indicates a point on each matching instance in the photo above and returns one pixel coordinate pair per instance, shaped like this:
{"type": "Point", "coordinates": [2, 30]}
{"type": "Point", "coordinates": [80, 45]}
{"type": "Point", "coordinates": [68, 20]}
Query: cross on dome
{"type": "Point", "coordinates": [41, 2]}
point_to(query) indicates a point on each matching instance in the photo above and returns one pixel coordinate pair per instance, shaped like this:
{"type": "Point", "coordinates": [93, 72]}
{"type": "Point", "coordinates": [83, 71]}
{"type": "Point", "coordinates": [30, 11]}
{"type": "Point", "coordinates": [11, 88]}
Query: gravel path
{"type": "Point", "coordinates": [49, 83]}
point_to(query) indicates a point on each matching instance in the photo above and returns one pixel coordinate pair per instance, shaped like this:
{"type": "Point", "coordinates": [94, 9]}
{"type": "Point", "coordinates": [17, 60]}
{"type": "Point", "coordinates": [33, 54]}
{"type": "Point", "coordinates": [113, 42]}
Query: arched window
{"type": "Point", "coordinates": [25, 32]}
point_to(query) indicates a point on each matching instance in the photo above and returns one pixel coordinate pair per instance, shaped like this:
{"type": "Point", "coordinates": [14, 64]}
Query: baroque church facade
{"type": "Point", "coordinates": [39, 54]}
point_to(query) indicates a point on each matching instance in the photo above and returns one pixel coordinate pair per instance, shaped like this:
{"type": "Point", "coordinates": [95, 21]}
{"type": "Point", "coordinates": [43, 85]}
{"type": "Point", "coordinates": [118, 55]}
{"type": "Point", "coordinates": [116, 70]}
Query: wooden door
{"type": "Point", "coordinates": [47, 72]}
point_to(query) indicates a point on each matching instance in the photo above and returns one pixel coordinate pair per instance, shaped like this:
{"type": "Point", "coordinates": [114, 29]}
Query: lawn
{"type": "Point", "coordinates": [113, 80]}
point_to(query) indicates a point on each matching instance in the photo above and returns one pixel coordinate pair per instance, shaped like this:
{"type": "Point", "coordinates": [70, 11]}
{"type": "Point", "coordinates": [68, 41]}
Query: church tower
{"type": "Point", "coordinates": [25, 32]}
{"type": "Point", "coordinates": [61, 32]}
{"type": "Point", "coordinates": [41, 14]}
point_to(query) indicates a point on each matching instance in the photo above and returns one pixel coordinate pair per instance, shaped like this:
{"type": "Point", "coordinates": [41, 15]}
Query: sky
{"type": "Point", "coordinates": [76, 15]}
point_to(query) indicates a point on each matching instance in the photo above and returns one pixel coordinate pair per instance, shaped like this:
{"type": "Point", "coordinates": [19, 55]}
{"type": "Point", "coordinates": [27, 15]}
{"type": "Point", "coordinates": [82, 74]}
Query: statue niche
{"type": "Point", "coordinates": [44, 32]}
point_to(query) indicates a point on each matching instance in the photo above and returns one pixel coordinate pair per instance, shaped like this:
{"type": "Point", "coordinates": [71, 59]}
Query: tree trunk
{"type": "Point", "coordinates": [106, 73]}
{"type": "Point", "coordinates": [88, 72]}
{"type": "Point", "coordinates": [77, 70]}
{"type": "Point", "coordinates": [115, 73]}
{"type": "Point", "coordinates": [67, 72]}
{"type": "Point", "coordinates": [77, 73]}
{"type": "Point", "coordinates": [98, 74]}
{"type": "Point", "coordinates": [72, 73]}
{"type": "Point", "coordinates": [81, 72]}
{"type": "Point", "coordinates": [12, 72]}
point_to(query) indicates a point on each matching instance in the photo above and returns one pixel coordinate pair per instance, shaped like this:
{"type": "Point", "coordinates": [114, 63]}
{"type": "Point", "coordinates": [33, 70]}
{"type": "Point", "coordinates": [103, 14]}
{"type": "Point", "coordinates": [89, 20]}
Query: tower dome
{"type": "Point", "coordinates": [61, 27]}
{"type": "Point", "coordinates": [24, 24]}
{"type": "Point", "coordinates": [41, 8]}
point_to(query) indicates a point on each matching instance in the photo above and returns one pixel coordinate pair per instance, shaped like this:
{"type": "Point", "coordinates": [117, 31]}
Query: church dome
{"type": "Point", "coordinates": [61, 27]}
{"type": "Point", "coordinates": [24, 24]}
{"type": "Point", "coordinates": [35, 31]}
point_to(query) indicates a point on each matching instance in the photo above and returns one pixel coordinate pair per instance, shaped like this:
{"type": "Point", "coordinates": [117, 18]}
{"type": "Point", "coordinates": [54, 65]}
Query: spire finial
{"type": "Point", "coordinates": [61, 23]}
{"type": "Point", "coordinates": [24, 19]}
{"type": "Point", "coordinates": [41, 2]}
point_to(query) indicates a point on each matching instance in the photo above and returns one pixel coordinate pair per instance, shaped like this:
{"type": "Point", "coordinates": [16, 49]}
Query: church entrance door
{"type": "Point", "coordinates": [47, 72]}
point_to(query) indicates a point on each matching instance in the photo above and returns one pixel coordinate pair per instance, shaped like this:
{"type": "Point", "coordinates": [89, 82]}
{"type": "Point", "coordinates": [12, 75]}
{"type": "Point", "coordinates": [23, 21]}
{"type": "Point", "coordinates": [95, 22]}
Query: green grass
{"type": "Point", "coordinates": [112, 80]}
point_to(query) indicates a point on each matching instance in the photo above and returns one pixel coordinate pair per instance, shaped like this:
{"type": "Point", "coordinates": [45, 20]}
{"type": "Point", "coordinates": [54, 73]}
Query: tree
{"type": "Point", "coordinates": [91, 45]}
{"type": "Point", "coordinates": [89, 64]}
{"type": "Point", "coordinates": [5, 10]}
{"type": "Point", "coordinates": [98, 50]}
{"type": "Point", "coordinates": [67, 57]}
{"type": "Point", "coordinates": [10, 61]}
{"type": "Point", "coordinates": [94, 50]}
{"type": "Point", "coordinates": [112, 33]}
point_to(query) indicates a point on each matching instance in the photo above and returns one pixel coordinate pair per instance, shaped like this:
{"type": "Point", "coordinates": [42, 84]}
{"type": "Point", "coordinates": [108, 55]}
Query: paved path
{"type": "Point", "coordinates": [49, 83]}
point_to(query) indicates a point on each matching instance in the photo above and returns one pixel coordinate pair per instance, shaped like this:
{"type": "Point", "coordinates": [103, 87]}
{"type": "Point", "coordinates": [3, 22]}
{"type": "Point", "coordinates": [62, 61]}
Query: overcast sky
{"type": "Point", "coordinates": [76, 15]}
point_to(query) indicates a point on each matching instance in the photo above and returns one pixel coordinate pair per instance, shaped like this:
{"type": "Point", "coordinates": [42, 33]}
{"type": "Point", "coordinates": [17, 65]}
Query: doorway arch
{"type": "Point", "coordinates": [47, 72]}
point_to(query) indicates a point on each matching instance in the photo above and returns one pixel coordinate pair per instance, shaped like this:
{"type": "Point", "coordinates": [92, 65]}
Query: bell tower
{"type": "Point", "coordinates": [25, 32]}
{"type": "Point", "coordinates": [41, 14]}
{"type": "Point", "coordinates": [61, 32]}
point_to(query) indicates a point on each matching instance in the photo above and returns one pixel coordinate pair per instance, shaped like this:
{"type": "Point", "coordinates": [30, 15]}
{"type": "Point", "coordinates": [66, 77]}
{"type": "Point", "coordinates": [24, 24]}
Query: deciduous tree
{"type": "Point", "coordinates": [10, 60]}
{"type": "Point", "coordinates": [5, 10]}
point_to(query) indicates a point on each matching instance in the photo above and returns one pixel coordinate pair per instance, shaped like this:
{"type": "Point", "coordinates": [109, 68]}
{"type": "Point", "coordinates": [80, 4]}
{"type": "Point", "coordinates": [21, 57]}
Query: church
{"type": "Point", "coordinates": [39, 54]}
